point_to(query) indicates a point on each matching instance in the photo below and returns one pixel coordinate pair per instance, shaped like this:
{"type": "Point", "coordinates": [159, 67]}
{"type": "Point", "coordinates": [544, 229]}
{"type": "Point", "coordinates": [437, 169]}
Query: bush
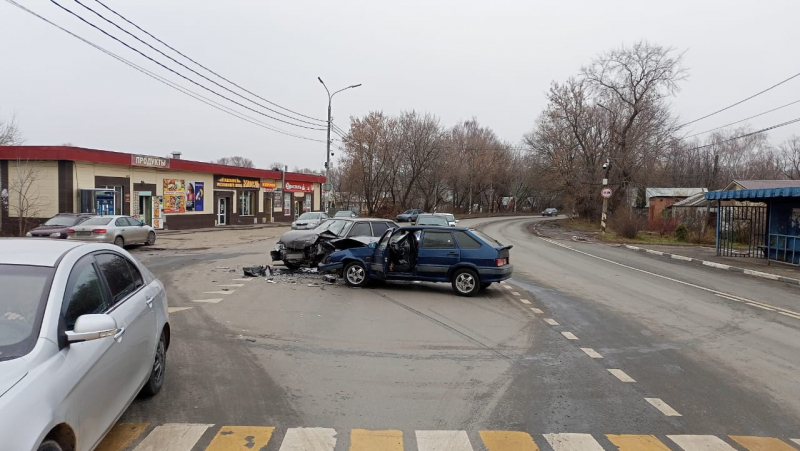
{"type": "Point", "coordinates": [664, 226]}
{"type": "Point", "coordinates": [681, 232]}
{"type": "Point", "coordinates": [627, 225]}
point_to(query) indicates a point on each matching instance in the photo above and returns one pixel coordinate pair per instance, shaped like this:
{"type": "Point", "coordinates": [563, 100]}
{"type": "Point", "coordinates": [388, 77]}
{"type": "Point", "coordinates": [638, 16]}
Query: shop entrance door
{"type": "Point", "coordinates": [145, 212]}
{"type": "Point", "coordinates": [222, 211]}
{"type": "Point", "coordinates": [268, 206]}
{"type": "Point", "coordinates": [298, 208]}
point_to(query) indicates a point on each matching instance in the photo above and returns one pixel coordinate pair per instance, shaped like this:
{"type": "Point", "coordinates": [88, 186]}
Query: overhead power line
{"type": "Point", "coordinates": [183, 76]}
{"type": "Point", "coordinates": [188, 92]}
{"type": "Point", "coordinates": [741, 101]}
{"type": "Point", "coordinates": [745, 119]}
{"type": "Point", "coordinates": [772, 127]}
{"type": "Point", "coordinates": [204, 67]}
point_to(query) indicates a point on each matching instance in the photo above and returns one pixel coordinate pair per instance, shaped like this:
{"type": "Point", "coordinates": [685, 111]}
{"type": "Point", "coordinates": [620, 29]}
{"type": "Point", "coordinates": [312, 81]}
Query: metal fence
{"type": "Point", "coordinates": [741, 231]}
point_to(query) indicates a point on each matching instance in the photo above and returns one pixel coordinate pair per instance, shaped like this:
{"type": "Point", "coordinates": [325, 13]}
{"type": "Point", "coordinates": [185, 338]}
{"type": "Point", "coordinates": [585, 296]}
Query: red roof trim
{"type": "Point", "coordinates": [124, 159]}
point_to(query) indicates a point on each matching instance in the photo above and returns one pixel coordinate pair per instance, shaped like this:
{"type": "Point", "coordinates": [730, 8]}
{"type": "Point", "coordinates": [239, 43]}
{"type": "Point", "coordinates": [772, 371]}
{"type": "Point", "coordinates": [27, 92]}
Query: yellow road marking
{"type": "Point", "coordinates": [236, 438]}
{"type": "Point", "coordinates": [508, 441]}
{"type": "Point", "coordinates": [121, 435]}
{"type": "Point", "coordinates": [761, 443]}
{"type": "Point", "coordinates": [637, 442]}
{"type": "Point", "coordinates": [367, 440]}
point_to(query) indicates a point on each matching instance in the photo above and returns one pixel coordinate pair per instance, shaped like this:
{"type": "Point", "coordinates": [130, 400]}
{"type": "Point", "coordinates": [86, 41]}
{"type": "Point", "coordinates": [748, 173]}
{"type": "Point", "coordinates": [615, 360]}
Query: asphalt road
{"type": "Point", "coordinates": [409, 358]}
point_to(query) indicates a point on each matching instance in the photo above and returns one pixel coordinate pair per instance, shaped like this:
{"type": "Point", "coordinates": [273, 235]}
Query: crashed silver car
{"type": "Point", "coordinates": [298, 248]}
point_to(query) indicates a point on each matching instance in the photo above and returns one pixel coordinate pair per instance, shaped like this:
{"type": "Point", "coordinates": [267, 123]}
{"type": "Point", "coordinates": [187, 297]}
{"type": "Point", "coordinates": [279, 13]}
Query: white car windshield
{"type": "Point", "coordinates": [25, 290]}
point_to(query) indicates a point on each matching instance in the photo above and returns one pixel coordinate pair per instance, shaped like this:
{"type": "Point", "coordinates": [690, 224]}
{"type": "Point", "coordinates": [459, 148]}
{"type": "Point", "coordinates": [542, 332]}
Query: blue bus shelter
{"type": "Point", "coordinates": [776, 234]}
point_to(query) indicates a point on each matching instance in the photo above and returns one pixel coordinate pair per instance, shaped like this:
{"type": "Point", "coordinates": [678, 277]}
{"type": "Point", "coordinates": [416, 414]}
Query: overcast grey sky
{"type": "Point", "coordinates": [493, 60]}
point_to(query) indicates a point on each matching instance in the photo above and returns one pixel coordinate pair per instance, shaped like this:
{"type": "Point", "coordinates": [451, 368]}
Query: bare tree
{"type": "Point", "coordinates": [24, 199]}
{"type": "Point", "coordinates": [10, 134]}
{"type": "Point", "coordinates": [241, 162]}
{"type": "Point", "coordinates": [276, 166]}
{"type": "Point", "coordinates": [790, 158]}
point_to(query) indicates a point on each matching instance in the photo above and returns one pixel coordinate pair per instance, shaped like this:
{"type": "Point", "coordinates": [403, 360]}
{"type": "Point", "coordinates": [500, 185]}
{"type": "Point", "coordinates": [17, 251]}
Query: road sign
{"type": "Point", "coordinates": [326, 187]}
{"type": "Point", "coordinates": [606, 192]}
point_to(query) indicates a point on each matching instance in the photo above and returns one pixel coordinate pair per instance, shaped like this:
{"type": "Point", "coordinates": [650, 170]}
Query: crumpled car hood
{"type": "Point", "coordinates": [299, 239]}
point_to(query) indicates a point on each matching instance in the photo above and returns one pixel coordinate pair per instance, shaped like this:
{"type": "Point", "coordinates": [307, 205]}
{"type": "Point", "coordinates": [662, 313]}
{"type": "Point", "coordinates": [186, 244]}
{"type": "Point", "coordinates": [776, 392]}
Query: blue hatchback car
{"type": "Point", "coordinates": [467, 258]}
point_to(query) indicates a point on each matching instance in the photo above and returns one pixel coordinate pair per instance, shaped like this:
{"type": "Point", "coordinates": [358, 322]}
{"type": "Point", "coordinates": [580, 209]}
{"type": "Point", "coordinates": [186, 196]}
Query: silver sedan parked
{"type": "Point", "coordinates": [119, 230]}
{"type": "Point", "coordinates": [309, 220]}
{"type": "Point", "coordinates": [83, 329]}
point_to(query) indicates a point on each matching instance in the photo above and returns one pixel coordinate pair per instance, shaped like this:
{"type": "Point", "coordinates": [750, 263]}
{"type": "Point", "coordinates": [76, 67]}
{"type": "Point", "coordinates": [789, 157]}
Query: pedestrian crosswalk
{"type": "Point", "coordinates": [210, 437]}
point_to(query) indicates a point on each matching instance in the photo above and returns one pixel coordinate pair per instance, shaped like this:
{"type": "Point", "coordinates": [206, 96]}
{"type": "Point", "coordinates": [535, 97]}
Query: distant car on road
{"type": "Point", "coordinates": [57, 226]}
{"type": "Point", "coordinates": [346, 214]}
{"type": "Point", "coordinates": [119, 230]}
{"type": "Point", "coordinates": [467, 258]}
{"type": "Point", "coordinates": [431, 220]}
{"type": "Point", "coordinates": [550, 212]}
{"type": "Point", "coordinates": [84, 329]}
{"type": "Point", "coordinates": [309, 220]}
{"type": "Point", "coordinates": [298, 248]}
{"type": "Point", "coordinates": [451, 219]}
{"type": "Point", "coordinates": [409, 215]}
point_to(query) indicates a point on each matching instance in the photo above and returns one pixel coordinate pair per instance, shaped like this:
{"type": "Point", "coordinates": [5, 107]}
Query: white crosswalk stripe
{"type": "Point", "coordinates": [573, 442]}
{"type": "Point", "coordinates": [443, 441]}
{"type": "Point", "coordinates": [592, 353]}
{"type": "Point", "coordinates": [173, 436]}
{"type": "Point", "coordinates": [621, 375]}
{"type": "Point", "coordinates": [701, 443]}
{"type": "Point", "coordinates": [309, 439]}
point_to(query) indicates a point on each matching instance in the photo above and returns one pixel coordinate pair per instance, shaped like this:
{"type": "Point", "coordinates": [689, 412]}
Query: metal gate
{"type": "Point", "coordinates": [741, 231]}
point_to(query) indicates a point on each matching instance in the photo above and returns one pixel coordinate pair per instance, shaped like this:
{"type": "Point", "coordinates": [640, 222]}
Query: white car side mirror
{"type": "Point", "coordinates": [92, 327]}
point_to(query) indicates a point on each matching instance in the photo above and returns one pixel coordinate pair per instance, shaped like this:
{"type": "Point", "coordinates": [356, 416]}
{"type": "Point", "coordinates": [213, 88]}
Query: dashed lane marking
{"type": "Point", "coordinates": [366, 440]}
{"type": "Point", "coordinates": [235, 285]}
{"type": "Point", "coordinates": [573, 442]}
{"type": "Point", "coordinates": [173, 436]}
{"type": "Point", "coordinates": [121, 435]}
{"type": "Point", "coordinates": [525, 301]}
{"type": "Point", "coordinates": [507, 441]}
{"type": "Point", "coordinates": [551, 321]}
{"type": "Point", "coordinates": [443, 441]}
{"type": "Point", "coordinates": [309, 439]}
{"type": "Point", "coordinates": [516, 293]}
{"type": "Point", "coordinates": [688, 284]}
{"type": "Point", "coordinates": [508, 287]}
{"type": "Point", "coordinates": [537, 310]}
{"type": "Point", "coordinates": [233, 438]}
{"type": "Point", "coordinates": [761, 443]}
{"type": "Point", "coordinates": [701, 443]}
{"type": "Point", "coordinates": [569, 335]}
{"type": "Point", "coordinates": [219, 292]}
{"type": "Point", "coordinates": [208, 301]}
{"type": "Point", "coordinates": [177, 309]}
{"type": "Point", "coordinates": [663, 407]}
{"type": "Point", "coordinates": [592, 353]}
{"type": "Point", "coordinates": [621, 375]}
{"type": "Point", "coordinates": [627, 442]}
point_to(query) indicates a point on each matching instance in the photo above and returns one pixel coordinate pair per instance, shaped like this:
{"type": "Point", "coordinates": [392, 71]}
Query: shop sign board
{"type": "Point", "coordinates": [298, 187]}
{"type": "Point", "coordinates": [149, 162]}
{"type": "Point", "coordinates": [269, 187]}
{"type": "Point", "coordinates": [222, 181]}
{"type": "Point", "coordinates": [174, 196]}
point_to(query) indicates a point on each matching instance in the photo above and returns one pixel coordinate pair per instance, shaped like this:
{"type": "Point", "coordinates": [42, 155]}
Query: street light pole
{"type": "Point", "coordinates": [328, 143]}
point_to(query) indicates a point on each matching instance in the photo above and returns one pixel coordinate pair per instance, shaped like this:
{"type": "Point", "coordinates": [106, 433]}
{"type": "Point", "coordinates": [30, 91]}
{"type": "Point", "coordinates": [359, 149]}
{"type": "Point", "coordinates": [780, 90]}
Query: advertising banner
{"type": "Point", "coordinates": [199, 195]}
{"type": "Point", "coordinates": [277, 200]}
{"type": "Point", "coordinates": [269, 187]}
{"type": "Point", "coordinates": [307, 203]}
{"type": "Point", "coordinates": [298, 187]}
{"type": "Point", "coordinates": [158, 215]}
{"type": "Point", "coordinates": [222, 181]}
{"type": "Point", "coordinates": [174, 196]}
{"type": "Point", "coordinates": [287, 204]}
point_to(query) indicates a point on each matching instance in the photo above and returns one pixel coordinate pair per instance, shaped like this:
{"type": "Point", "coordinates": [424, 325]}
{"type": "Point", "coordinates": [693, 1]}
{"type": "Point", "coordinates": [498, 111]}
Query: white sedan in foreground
{"type": "Point", "coordinates": [83, 330]}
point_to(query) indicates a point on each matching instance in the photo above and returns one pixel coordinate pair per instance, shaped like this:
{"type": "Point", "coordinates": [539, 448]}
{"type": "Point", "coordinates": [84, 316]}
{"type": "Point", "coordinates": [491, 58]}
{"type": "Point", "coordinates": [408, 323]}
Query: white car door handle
{"type": "Point", "coordinates": [119, 333]}
{"type": "Point", "coordinates": [149, 300]}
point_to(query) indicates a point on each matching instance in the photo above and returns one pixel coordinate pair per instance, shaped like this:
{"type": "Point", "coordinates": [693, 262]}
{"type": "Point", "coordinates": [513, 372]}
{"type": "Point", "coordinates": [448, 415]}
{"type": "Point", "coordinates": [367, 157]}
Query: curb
{"type": "Point", "coordinates": [749, 272]}
{"type": "Point", "coordinates": [221, 229]}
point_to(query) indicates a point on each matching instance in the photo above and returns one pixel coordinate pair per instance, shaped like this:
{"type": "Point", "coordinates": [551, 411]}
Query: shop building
{"type": "Point", "coordinates": [38, 182]}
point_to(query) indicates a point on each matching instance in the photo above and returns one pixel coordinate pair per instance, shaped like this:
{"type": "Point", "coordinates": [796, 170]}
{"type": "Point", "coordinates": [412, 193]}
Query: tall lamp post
{"type": "Point", "coordinates": [328, 153]}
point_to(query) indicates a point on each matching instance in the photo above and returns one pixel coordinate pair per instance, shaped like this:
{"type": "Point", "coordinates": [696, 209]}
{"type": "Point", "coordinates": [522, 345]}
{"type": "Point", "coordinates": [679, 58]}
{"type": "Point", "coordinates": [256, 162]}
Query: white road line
{"type": "Point", "coordinates": [688, 284]}
{"type": "Point", "coordinates": [760, 306]}
{"type": "Point", "coordinates": [573, 442]}
{"type": "Point", "coordinates": [790, 315]}
{"type": "Point", "coordinates": [219, 292]}
{"type": "Point", "coordinates": [443, 441]}
{"type": "Point", "coordinates": [701, 442]}
{"type": "Point", "coordinates": [592, 353]}
{"type": "Point", "coordinates": [525, 301]}
{"type": "Point", "coordinates": [177, 309]}
{"type": "Point", "coordinates": [663, 407]}
{"type": "Point", "coordinates": [569, 335]}
{"type": "Point", "coordinates": [551, 321]}
{"type": "Point", "coordinates": [537, 310]}
{"type": "Point", "coordinates": [173, 436]}
{"type": "Point", "coordinates": [309, 439]}
{"type": "Point", "coordinates": [208, 301]}
{"type": "Point", "coordinates": [796, 440]}
{"type": "Point", "coordinates": [515, 293]}
{"type": "Point", "coordinates": [237, 285]}
{"type": "Point", "coordinates": [508, 287]}
{"type": "Point", "coordinates": [621, 375]}
{"type": "Point", "coordinates": [727, 297]}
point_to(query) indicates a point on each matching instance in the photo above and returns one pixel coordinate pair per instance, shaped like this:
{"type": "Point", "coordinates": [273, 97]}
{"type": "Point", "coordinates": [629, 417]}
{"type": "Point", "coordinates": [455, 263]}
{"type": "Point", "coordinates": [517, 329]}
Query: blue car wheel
{"type": "Point", "coordinates": [355, 274]}
{"type": "Point", "coordinates": [466, 282]}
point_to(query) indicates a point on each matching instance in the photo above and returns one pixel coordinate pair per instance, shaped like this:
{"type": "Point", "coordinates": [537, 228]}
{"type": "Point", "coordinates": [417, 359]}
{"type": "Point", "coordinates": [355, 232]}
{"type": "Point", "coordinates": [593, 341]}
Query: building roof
{"type": "Point", "coordinates": [696, 200]}
{"type": "Point", "coordinates": [670, 192]}
{"type": "Point", "coordinates": [124, 159]}
{"type": "Point", "coordinates": [762, 184]}
{"type": "Point", "coordinates": [752, 194]}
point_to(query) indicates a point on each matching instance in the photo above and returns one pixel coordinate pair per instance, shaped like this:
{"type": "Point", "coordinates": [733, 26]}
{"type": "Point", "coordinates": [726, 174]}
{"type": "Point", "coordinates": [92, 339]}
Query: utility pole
{"type": "Point", "coordinates": [604, 217]}
{"type": "Point", "coordinates": [328, 144]}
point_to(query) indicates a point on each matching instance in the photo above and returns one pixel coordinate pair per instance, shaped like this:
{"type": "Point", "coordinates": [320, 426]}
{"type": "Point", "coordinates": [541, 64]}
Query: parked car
{"type": "Point", "coordinates": [57, 226]}
{"type": "Point", "coordinates": [346, 214]}
{"type": "Point", "coordinates": [84, 329]}
{"type": "Point", "coordinates": [298, 248]}
{"type": "Point", "coordinates": [409, 215]}
{"type": "Point", "coordinates": [119, 230]}
{"type": "Point", "coordinates": [308, 220]}
{"type": "Point", "coordinates": [431, 220]}
{"type": "Point", "coordinates": [451, 219]}
{"type": "Point", "coordinates": [469, 259]}
{"type": "Point", "coordinates": [550, 212]}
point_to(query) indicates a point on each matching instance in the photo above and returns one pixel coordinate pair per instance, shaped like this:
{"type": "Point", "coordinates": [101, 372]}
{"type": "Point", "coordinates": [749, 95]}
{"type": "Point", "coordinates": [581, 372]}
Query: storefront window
{"type": "Point", "coordinates": [247, 203]}
{"type": "Point", "coordinates": [307, 204]}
